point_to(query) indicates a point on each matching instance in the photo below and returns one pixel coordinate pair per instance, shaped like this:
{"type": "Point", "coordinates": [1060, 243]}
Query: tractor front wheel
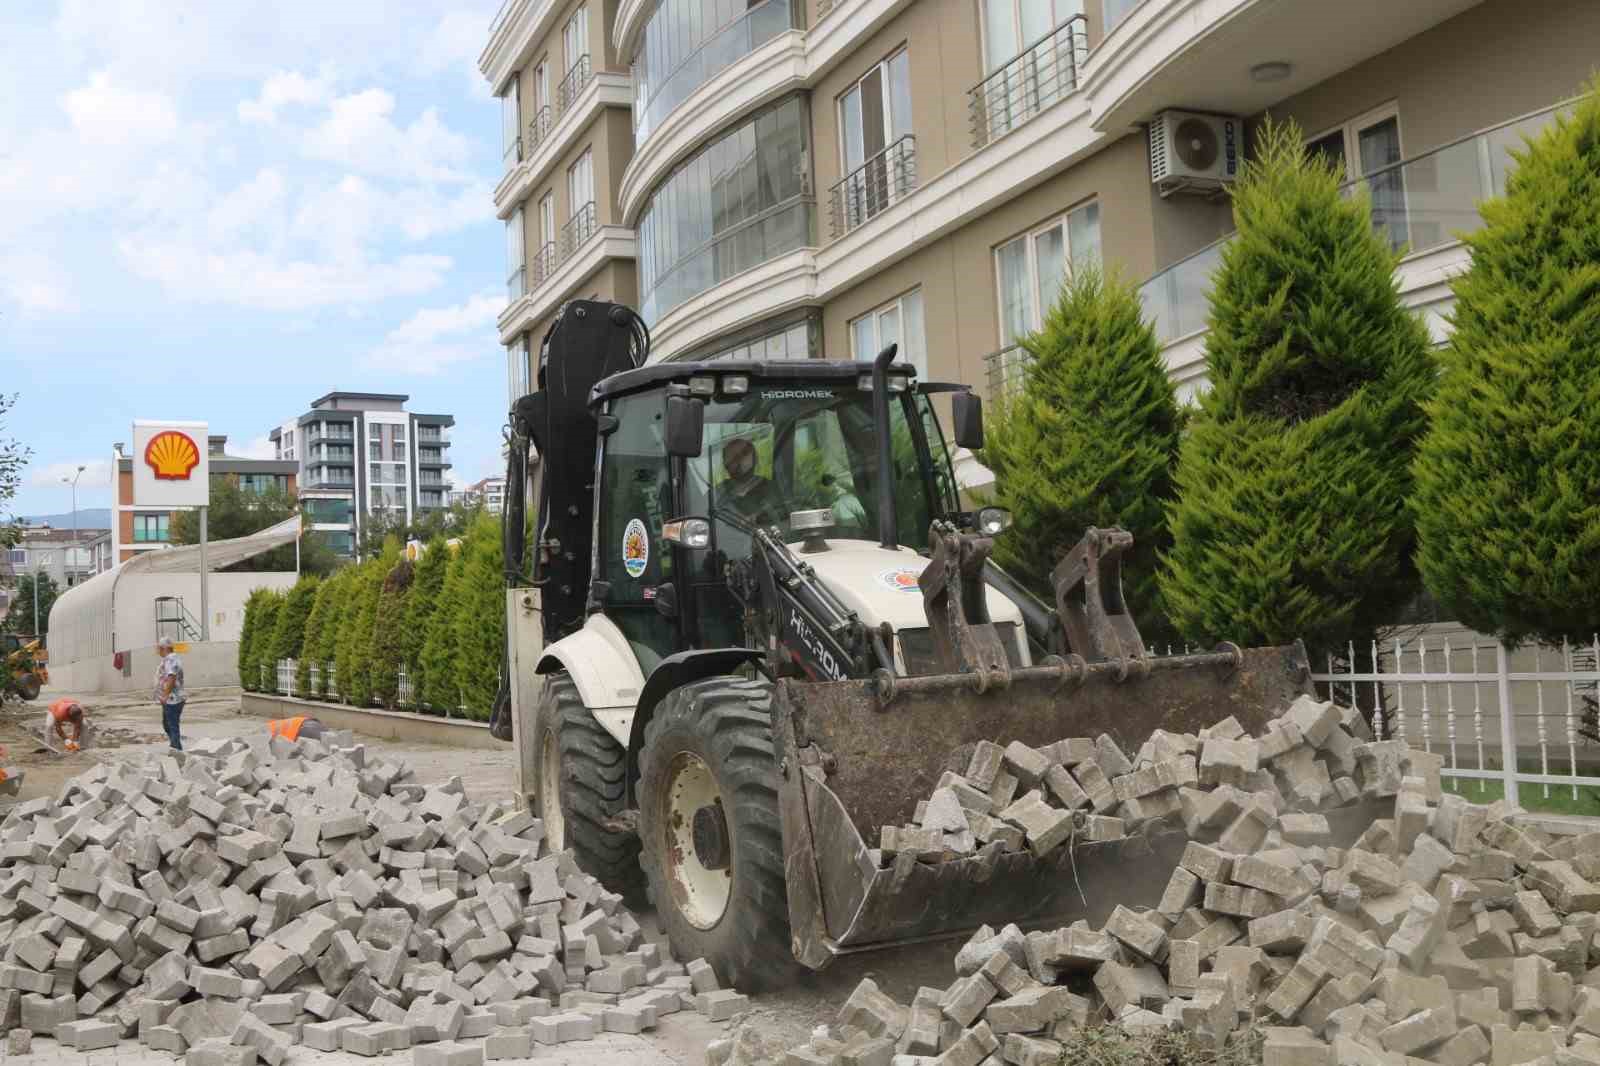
{"type": "Point", "coordinates": [709, 828]}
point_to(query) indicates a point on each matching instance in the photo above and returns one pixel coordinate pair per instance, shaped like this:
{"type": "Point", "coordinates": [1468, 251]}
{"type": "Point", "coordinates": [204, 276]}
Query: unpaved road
{"type": "Point", "coordinates": [784, 1019]}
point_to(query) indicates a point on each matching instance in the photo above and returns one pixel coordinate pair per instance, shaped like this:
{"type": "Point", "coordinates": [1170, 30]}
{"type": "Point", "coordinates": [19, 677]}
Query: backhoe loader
{"type": "Point", "coordinates": [754, 623]}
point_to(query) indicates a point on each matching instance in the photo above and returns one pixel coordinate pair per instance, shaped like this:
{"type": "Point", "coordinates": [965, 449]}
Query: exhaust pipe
{"type": "Point", "coordinates": [888, 535]}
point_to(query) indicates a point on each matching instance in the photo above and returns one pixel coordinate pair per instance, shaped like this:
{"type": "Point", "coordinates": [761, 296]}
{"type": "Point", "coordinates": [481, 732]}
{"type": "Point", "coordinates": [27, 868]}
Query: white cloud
{"type": "Point", "coordinates": [253, 207]}
{"type": "Point", "coordinates": [437, 337]}
{"type": "Point", "coordinates": [359, 134]}
{"type": "Point", "coordinates": [258, 448]}
{"type": "Point", "coordinates": [282, 89]}
{"type": "Point", "coordinates": [35, 284]}
{"type": "Point", "coordinates": [96, 474]}
{"type": "Point", "coordinates": [104, 113]}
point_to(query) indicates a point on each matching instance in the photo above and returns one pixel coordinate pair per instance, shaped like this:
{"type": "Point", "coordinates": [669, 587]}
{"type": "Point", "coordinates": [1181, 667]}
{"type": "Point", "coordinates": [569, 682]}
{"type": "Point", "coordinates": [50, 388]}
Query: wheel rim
{"type": "Point", "coordinates": [700, 893]}
{"type": "Point", "coordinates": [555, 824]}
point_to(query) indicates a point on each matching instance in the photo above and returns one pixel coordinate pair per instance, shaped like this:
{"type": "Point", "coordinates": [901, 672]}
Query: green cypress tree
{"type": "Point", "coordinates": [1090, 441]}
{"type": "Point", "coordinates": [288, 634]}
{"type": "Point", "coordinates": [426, 581]}
{"type": "Point", "coordinates": [354, 657]}
{"type": "Point", "coordinates": [389, 631]}
{"type": "Point", "coordinates": [442, 694]}
{"type": "Point", "coordinates": [311, 639]}
{"type": "Point", "coordinates": [1508, 477]}
{"type": "Point", "coordinates": [248, 679]}
{"type": "Point", "coordinates": [480, 619]}
{"type": "Point", "coordinates": [1291, 517]}
{"type": "Point", "coordinates": [335, 613]}
{"type": "Point", "coordinates": [267, 609]}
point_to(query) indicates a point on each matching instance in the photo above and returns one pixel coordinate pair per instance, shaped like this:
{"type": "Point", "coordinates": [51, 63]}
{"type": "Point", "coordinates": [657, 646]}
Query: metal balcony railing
{"type": "Point", "coordinates": [1007, 370]}
{"type": "Point", "coordinates": [539, 128]}
{"type": "Point", "coordinates": [1043, 73]}
{"type": "Point", "coordinates": [544, 263]}
{"type": "Point", "coordinates": [825, 8]}
{"type": "Point", "coordinates": [581, 74]}
{"type": "Point", "coordinates": [873, 186]}
{"type": "Point", "coordinates": [579, 228]}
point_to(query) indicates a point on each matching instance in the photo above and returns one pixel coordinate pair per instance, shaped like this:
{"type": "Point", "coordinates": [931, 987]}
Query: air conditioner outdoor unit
{"type": "Point", "coordinates": [1192, 152]}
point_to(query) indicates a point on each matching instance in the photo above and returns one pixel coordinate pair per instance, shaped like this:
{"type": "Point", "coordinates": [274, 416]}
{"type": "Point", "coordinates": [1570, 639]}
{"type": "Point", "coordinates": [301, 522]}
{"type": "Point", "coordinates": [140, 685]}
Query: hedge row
{"type": "Point", "coordinates": [439, 620]}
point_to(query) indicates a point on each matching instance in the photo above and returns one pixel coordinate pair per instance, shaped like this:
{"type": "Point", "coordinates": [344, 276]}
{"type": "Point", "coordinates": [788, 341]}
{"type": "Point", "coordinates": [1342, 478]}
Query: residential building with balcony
{"type": "Point", "coordinates": [136, 529]}
{"type": "Point", "coordinates": [361, 454]}
{"type": "Point", "coordinates": [490, 494]}
{"type": "Point", "coordinates": [819, 178]}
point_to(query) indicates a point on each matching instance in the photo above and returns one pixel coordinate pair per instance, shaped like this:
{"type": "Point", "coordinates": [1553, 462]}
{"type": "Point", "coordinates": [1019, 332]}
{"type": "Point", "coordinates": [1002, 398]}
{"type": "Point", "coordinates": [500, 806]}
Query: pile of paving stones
{"type": "Point", "coordinates": [235, 901]}
{"type": "Point", "coordinates": [1449, 932]}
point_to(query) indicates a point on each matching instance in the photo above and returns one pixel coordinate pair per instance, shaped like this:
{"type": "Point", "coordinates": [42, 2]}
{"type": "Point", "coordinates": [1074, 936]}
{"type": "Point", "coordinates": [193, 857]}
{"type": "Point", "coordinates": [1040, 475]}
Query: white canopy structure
{"type": "Point", "coordinates": [129, 607]}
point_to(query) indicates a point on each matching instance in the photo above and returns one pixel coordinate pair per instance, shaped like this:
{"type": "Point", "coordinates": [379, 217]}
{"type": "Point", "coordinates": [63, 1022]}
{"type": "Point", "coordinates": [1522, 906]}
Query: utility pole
{"type": "Point", "coordinates": [72, 551]}
{"type": "Point", "coordinates": [205, 583]}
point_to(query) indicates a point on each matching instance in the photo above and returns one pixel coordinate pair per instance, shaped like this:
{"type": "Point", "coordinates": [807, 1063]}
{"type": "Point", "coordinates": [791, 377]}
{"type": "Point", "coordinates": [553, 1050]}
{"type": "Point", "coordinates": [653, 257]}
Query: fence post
{"type": "Point", "coordinates": [1508, 732]}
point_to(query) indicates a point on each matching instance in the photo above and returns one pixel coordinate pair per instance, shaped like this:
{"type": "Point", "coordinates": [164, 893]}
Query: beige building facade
{"type": "Point", "coordinates": [817, 178]}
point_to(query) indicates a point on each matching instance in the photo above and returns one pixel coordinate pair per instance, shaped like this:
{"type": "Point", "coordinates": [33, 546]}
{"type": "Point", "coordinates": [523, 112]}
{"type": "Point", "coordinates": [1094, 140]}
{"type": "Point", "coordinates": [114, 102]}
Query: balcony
{"type": "Point", "coordinates": [581, 74]}
{"type": "Point", "coordinates": [873, 186]}
{"type": "Point", "coordinates": [1423, 204]}
{"type": "Point", "coordinates": [539, 128]}
{"type": "Point", "coordinates": [1045, 72]}
{"type": "Point", "coordinates": [576, 233]}
{"type": "Point", "coordinates": [1006, 369]}
{"type": "Point", "coordinates": [544, 263]}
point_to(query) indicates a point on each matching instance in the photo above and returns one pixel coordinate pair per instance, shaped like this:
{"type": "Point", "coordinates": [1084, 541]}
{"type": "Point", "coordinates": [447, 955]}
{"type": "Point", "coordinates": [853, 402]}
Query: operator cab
{"type": "Point", "coordinates": [782, 445]}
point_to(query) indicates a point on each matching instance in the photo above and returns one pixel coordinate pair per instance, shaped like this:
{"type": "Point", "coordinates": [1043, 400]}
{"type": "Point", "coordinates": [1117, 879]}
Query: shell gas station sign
{"type": "Point", "coordinates": [171, 467]}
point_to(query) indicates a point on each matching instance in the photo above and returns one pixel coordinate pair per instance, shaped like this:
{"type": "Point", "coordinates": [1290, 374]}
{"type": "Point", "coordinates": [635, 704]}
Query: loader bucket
{"type": "Point", "coordinates": [857, 755]}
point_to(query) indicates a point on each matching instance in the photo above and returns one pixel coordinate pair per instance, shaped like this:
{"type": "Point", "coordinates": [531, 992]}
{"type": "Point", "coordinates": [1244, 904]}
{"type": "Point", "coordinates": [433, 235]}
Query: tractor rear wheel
{"type": "Point", "coordinates": [580, 789]}
{"type": "Point", "coordinates": [708, 822]}
{"type": "Point", "coordinates": [28, 686]}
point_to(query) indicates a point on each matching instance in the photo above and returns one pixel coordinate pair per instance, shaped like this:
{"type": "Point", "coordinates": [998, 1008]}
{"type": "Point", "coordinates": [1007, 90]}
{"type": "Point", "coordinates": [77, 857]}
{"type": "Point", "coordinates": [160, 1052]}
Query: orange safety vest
{"type": "Point", "coordinates": [61, 710]}
{"type": "Point", "coordinates": [287, 728]}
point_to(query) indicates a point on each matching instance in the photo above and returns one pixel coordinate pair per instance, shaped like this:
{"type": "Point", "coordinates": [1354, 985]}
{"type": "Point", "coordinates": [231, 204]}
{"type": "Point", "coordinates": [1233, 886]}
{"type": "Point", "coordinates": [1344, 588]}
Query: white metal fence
{"type": "Point", "coordinates": [1474, 700]}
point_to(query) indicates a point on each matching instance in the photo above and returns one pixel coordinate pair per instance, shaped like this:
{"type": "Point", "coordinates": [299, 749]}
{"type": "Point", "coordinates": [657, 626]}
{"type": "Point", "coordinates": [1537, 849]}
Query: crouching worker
{"type": "Point", "coordinates": [62, 716]}
{"type": "Point", "coordinates": [295, 728]}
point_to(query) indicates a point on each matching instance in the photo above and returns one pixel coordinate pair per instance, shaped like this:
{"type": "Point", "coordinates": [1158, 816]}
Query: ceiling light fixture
{"type": "Point", "coordinates": [1276, 70]}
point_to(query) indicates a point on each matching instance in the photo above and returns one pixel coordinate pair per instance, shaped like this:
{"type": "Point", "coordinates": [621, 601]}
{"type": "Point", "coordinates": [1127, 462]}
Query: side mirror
{"type": "Point", "coordinates": [967, 413]}
{"type": "Point", "coordinates": [686, 424]}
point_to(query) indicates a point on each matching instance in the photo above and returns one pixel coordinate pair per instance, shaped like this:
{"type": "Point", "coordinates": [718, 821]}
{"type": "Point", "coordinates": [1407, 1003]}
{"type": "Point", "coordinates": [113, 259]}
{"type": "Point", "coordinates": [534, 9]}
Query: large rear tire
{"type": "Point", "coordinates": [708, 821]}
{"type": "Point", "coordinates": [580, 788]}
{"type": "Point", "coordinates": [28, 686]}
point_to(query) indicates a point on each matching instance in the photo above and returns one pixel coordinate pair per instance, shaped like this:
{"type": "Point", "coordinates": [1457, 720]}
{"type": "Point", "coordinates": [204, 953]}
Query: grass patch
{"type": "Point", "coordinates": [1530, 797]}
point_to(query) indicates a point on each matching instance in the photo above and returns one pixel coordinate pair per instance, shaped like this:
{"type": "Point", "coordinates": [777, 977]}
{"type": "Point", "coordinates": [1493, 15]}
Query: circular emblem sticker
{"type": "Point", "coordinates": [900, 580]}
{"type": "Point", "coordinates": [635, 548]}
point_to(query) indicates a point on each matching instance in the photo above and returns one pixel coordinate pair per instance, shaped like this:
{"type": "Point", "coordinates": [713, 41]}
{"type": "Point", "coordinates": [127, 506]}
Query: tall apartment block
{"type": "Point", "coordinates": [817, 178]}
{"type": "Point", "coordinates": [363, 454]}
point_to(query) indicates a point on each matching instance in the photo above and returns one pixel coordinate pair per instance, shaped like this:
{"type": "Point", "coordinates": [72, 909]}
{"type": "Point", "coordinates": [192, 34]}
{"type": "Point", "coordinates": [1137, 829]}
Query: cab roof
{"type": "Point", "coordinates": [659, 375]}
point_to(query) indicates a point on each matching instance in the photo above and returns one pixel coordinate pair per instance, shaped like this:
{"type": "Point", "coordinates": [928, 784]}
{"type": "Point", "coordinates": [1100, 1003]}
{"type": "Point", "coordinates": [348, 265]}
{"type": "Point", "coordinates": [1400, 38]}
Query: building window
{"type": "Point", "coordinates": [514, 276]}
{"type": "Point", "coordinates": [897, 322]}
{"type": "Point", "coordinates": [150, 528]}
{"type": "Point", "coordinates": [575, 37]}
{"type": "Point", "coordinates": [518, 379]}
{"type": "Point", "coordinates": [784, 339]}
{"type": "Point", "coordinates": [18, 556]}
{"type": "Point", "coordinates": [511, 122]}
{"type": "Point", "coordinates": [1368, 147]}
{"type": "Point", "coordinates": [688, 42]}
{"type": "Point", "coordinates": [1011, 26]}
{"type": "Point", "coordinates": [580, 183]}
{"type": "Point", "coordinates": [259, 483]}
{"type": "Point", "coordinates": [874, 114]}
{"type": "Point", "coordinates": [1030, 270]}
{"type": "Point", "coordinates": [744, 199]}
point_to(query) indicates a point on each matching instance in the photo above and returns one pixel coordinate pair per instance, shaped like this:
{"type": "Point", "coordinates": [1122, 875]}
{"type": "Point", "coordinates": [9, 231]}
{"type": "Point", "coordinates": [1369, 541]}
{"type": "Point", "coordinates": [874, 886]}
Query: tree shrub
{"type": "Point", "coordinates": [442, 693]}
{"type": "Point", "coordinates": [336, 611]}
{"type": "Point", "coordinates": [354, 656]}
{"type": "Point", "coordinates": [480, 619]}
{"type": "Point", "coordinates": [255, 641]}
{"type": "Point", "coordinates": [426, 581]}
{"type": "Point", "coordinates": [1508, 477]}
{"type": "Point", "coordinates": [1090, 440]}
{"type": "Point", "coordinates": [1291, 517]}
{"type": "Point", "coordinates": [388, 631]}
{"type": "Point", "coordinates": [288, 633]}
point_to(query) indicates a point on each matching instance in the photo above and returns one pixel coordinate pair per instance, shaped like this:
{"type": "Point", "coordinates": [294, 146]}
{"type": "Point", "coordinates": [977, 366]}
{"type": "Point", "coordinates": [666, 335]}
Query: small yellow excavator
{"type": "Point", "coordinates": [24, 671]}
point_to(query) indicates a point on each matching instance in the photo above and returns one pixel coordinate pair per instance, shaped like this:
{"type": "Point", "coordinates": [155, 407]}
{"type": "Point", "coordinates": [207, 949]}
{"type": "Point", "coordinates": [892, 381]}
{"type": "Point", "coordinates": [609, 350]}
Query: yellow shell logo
{"type": "Point", "coordinates": [172, 455]}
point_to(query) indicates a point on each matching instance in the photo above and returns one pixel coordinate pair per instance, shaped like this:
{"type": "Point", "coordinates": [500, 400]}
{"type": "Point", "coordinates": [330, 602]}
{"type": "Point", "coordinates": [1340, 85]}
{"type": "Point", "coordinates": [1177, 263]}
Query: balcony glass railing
{"type": "Point", "coordinates": [873, 186]}
{"type": "Point", "coordinates": [1043, 73]}
{"type": "Point", "coordinates": [658, 92]}
{"type": "Point", "coordinates": [1421, 203]}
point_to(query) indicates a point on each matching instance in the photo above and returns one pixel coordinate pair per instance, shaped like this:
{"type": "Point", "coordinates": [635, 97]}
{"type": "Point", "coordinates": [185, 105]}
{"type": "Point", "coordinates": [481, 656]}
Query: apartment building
{"type": "Point", "coordinates": [489, 493]}
{"type": "Point", "coordinates": [818, 178]}
{"type": "Point", "coordinates": [361, 454]}
{"type": "Point", "coordinates": [136, 529]}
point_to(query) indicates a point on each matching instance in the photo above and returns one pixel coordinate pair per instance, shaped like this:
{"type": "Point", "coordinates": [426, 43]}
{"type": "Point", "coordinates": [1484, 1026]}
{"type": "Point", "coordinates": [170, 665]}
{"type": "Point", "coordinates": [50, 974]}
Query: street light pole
{"type": "Point", "coordinates": [71, 551]}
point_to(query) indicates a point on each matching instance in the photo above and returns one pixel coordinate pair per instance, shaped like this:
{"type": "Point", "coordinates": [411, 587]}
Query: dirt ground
{"type": "Point", "coordinates": [131, 725]}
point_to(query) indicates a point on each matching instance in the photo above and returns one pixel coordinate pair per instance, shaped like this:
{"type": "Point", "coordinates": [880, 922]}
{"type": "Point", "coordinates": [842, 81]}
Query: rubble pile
{"type": "Point", "coordinates": [1447, 932]}
{"type": "Point", "coordinates": [235, 901]}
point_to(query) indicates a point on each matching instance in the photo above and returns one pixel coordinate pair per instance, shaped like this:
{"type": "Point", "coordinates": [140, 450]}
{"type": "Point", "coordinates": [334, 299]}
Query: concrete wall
{"type": "Point", "coordinates": [211, 665]}
{"type": "Point", "coordinates": [388, 725]}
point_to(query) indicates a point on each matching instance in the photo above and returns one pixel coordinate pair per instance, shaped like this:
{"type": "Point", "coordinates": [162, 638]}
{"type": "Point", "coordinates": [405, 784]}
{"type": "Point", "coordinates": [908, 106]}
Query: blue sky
{"type": "Point", "coordinates": [220, 211]}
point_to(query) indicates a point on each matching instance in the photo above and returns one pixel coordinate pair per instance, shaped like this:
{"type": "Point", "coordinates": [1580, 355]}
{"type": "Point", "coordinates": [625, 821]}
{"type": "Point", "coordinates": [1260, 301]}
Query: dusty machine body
{"type": "Point", "coordinates": [22, 667]}
{"type": "Point", "coordinates": [754, 622]}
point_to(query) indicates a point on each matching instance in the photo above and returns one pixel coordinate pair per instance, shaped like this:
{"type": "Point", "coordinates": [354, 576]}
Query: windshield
{"type": "Point", "coordinates": [805, 446]}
